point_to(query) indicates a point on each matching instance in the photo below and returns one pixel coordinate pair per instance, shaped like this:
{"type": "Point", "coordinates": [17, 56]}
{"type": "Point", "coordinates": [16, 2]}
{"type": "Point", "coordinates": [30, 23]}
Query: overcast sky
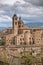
{"type": "Point", "coordinates": [29, 10]}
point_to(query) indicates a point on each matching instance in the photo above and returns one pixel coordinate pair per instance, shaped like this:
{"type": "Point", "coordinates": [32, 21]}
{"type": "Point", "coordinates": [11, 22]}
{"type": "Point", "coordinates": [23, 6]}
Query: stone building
{"type": "Point", "coordinates": [21, 37]}
{"type": "Point", "coordinates": [22, 34]}
{"type": "Point", "coordinates": [18, 32]}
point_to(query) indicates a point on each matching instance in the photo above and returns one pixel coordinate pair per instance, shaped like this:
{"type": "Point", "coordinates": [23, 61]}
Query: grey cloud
{"type": "Point", "coordinates": [35, 2]}
{"type": "Point", "coordinates": [25, 9]}
{"type": "Point", "coordinates": [16, 8]}
{"type": "Point", "coordinates": [5, 7]}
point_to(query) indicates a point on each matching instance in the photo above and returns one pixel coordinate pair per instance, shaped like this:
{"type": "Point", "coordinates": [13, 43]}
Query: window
{"type": "Point", "coordinates": [31, 41]}
{"type": "Point", "coordinates": [15, 23]}
{"type": "Point", "coordinates": [20, 39]}
{"type": "Point", "coordinates": [32, 51]}
{"type": "Point", "coordinates": [20, 43]}
{"type": "Point", "coordinates": [14, 40]}
{"type": "Point", "coordinates": [24, 43]}
{"type": "Point", "coordinates": [16, 18]}
{"type": "Point", "coordinates": [21, 52]}
{"type": "Point", "coordinates": [23, 38]}
{"type": "Point", "coordinates": [34, 30]}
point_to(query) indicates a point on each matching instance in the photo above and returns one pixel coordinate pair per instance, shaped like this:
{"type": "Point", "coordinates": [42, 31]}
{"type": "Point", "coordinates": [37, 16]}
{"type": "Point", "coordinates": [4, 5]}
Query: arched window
{"type": "Point", "coordinates": [31, 41]}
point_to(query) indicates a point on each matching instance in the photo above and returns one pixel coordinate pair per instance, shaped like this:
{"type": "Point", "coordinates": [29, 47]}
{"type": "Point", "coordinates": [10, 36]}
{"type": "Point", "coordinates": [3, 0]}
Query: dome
{"type": "Point", "coordinates": [20, 20]}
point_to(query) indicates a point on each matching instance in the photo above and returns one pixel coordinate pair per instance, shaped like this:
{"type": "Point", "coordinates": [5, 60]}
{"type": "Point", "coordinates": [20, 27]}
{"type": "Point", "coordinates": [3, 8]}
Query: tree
{"type": "Point", "coordinates": [29, 60]}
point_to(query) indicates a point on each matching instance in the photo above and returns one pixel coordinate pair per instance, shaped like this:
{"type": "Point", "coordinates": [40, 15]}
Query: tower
{"type": "Point", "coordinates": [15, 24]}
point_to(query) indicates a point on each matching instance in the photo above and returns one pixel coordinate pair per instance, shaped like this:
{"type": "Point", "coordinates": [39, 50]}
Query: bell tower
{"type": "Point", "coordinates": [15, 24]}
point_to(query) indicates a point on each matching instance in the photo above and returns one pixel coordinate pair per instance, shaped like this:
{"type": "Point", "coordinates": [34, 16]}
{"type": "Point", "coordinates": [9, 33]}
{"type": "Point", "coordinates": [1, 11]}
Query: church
{"type": "Point", "coordinates": [21, 34]}
{"type": "Point", "coordinates": [20, 38]}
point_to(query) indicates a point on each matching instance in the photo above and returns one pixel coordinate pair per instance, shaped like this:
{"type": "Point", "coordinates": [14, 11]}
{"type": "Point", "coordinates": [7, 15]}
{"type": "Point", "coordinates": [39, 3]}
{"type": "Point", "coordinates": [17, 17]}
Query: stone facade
{"type": "Point", "coordinates": [21, 37]}
{"type": "Point", "coordinates": [22, 34]}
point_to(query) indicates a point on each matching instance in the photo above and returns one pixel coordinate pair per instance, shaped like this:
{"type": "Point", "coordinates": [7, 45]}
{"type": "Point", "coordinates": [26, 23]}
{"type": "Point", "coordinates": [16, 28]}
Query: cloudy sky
{"type": "Point", "coordinates": [29, 10]}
